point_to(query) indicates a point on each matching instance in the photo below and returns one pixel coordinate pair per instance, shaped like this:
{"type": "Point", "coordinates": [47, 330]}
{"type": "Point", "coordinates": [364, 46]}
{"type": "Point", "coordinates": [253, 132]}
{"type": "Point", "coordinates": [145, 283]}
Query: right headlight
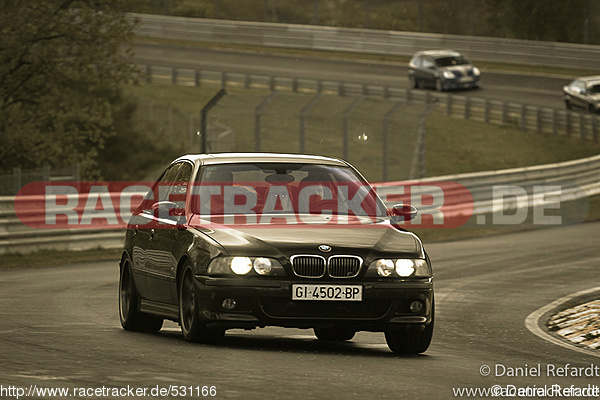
{"type": "Point", "coordinates": [245, 266]}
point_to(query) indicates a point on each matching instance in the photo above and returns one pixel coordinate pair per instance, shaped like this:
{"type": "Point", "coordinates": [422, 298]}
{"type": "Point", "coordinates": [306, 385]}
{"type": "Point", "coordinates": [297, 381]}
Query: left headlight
{"type": "Point", "coordinates": [476, 71]}
{"type": "Point", "coordinates": [448, 75]}
{"type": "Point", "coordinates": [401, 267]}
{"type": "Point", "coordinates": [245, 266]}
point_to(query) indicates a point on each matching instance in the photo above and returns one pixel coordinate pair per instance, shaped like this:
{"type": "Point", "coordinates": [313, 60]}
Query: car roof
{"type": "Point", "coordinates": [590, 79]}
{"type": "Point", "coordinates": [229, 158]}
{"type": "Point", "coordinates": [439, 53]}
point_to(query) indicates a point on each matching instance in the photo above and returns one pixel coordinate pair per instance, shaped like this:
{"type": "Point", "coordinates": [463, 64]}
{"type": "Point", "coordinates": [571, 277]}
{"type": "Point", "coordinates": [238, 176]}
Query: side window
{"type": "Point", "coordinates": [166, 182]}
{"type": "Point", "coordinates": [183, 179]}
{"type": "Point", "coordinates": [428, 63]}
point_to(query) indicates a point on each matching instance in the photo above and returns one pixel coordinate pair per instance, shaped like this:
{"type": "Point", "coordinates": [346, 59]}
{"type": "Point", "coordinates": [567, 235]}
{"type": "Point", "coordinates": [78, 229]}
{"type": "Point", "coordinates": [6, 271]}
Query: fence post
{"type": "Point", "coordinates": [257, 114]}
{"type": "Point", "coordinates": [203, 125]}
{"type": "Point", "coordinates": [148, 74]}
{"type": "Point", "coordinates": [448, 106]}
{"type": "Point", "coordinates": [555, 122]}
{"type": "Point", "coordinates": [582, 127]}
{"type": "Point", "coordinates": [467, 108]}
{"type": "Point", "coordinates": [504, 113]}
{"type": "Point", "coordinates": [486, 111]}
{"type": "Point", "coordinates": [197, 77]}
{"type": "Point", "coordinates": [349, 110]}
{"type": "Point", "coordinates": [595, 129]}
{"type": "Point", "coordinates": [523, 121]}
{"type": "Point", "coordinates": [75, 171]}
{"type": "Point", "coordinates": [386, 123]}
{"type": "Point", "coordinates": [223, 80]}
{"type": "Point", "coordinates": [17, 182]}
{"type": "Point", "coordinates": [302, 122]}
{"type": "Point", "coordinates": [174, 76]}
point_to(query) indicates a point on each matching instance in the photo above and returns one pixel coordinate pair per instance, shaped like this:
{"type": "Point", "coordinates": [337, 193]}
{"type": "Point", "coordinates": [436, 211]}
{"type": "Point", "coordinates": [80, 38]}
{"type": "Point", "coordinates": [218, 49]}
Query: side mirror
{"type": "Point", "coordinates": [402, 212]}
{"type": "Point", "coordinates": [171, 211]}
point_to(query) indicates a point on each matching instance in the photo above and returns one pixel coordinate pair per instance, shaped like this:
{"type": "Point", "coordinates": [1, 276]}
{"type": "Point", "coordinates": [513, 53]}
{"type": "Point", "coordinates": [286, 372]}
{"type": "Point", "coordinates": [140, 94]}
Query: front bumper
{"type": "Point", "coordinates": [262, 303]}
{"type": "Point", "coordinates": [461, 83]}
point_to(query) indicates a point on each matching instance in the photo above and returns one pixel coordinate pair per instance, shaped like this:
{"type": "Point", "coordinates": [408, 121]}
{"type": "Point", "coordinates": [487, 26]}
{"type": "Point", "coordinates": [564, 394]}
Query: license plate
{"type": "Point", "coordinates": [327, 292]}
{"type": "Point", "coordinates": [467, 79]}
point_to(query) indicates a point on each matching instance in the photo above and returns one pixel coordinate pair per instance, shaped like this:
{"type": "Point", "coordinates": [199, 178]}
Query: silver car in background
{"type": "Point", "coordinates": [583, 92]}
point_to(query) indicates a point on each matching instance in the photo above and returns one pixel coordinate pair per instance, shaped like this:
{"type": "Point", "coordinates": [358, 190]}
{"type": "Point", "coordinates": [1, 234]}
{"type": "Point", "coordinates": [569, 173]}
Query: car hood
{"type": "Point", "coordinates": [460, 69]}
{"type": "Point", "coordinates": [360, 237]}
{"type": "Point", "coordinates": [594, 96]}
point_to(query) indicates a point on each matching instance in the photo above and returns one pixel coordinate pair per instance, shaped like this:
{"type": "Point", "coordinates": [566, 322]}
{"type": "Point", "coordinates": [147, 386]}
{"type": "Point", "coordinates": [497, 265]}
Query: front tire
{"type": "Point", "coordinates": [568, 105]}
{"type": "Point", "coordinates": [439, 86]}
{"type": "Point", "coordinates": [410, 339]}
{"type": "Point", "coordinates": [192, 328]}
{"type": "Point", "coordinates": [131, 318]}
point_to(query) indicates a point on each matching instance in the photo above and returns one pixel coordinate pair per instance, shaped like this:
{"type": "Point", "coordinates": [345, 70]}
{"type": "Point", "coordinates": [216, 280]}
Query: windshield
{"type": "Point", "coordinates": [450, 61]}
{"type": "Point", "coordinates": [284, 188]}
{"type": "Point", "coordinates": [594, 89]}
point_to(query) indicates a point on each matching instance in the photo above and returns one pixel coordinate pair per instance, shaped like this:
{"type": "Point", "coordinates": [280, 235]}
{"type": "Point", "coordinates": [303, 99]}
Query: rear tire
{"type": "Point", "coordinates": [334, 335]}
{"type": "Point", "coordinates": [131, 318]}
{"type": "Point", "coordinates": [192, 328]}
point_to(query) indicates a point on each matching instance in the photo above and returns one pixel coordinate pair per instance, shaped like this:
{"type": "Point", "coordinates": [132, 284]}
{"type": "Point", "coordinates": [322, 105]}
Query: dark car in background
{"type": "Point", "coordinates": [443, 70]}
{"type": "Point", "coordinates": [240, 241]}
{"type": "Point", "coordinates": [584, 93]}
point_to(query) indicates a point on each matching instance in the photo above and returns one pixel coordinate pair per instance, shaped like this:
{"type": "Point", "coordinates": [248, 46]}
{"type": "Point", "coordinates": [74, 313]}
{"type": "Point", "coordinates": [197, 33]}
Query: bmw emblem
{"type": "Point", "coordinates": [324, 248]}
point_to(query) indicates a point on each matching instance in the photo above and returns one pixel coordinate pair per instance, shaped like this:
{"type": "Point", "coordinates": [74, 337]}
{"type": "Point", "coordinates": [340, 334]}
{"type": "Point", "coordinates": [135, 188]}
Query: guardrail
{"type": "Point", "coordinates": [367, 41]}
{"type": "Point", "coordinates": [575, 180]}
{"type": "Point", "coordinates": [525, 117]}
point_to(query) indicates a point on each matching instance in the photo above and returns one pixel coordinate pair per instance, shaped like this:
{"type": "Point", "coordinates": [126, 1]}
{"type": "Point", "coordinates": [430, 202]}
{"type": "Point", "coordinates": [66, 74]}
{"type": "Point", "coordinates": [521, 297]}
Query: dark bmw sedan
{"type": "Point", "coordinates": [241, 241]}
{"type": "Point", "coordinates": [443, 70]}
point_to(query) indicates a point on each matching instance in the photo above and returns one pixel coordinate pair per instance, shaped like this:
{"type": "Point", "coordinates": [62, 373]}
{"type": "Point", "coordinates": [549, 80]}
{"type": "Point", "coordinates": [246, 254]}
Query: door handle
{"type": "Point", "coordinates": [151, 234]}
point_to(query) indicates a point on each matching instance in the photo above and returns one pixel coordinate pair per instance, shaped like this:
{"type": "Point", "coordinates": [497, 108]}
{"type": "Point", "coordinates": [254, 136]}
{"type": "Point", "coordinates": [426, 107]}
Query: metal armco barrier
{"type": "Point", "coordinates": [525, 117]}
{"type": "Point", "coordinates": [576, 179]}
{"type": "Point", "coordinates": [368, 41]}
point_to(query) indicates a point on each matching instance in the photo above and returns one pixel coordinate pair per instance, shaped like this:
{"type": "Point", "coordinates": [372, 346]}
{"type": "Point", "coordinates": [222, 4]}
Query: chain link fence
{"type": "Point", "coordinates": [10, 184]}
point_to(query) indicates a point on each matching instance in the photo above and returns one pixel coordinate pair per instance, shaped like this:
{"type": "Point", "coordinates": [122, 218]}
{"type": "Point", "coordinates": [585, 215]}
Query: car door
{"type": "Point", "coordinates": [170, 231]}
{"type": "Point", "coordinates": [154, 265]}
{"type": "Point", "coordinates": [143, 225]}
{"type": "Point", "coordinates": [428, 71]}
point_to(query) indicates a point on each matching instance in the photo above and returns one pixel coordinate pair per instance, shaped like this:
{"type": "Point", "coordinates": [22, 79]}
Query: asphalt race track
{"type": "Point", "coordinates": [538, 89]}
{"type": "Point", "coordinates": [60, 328]}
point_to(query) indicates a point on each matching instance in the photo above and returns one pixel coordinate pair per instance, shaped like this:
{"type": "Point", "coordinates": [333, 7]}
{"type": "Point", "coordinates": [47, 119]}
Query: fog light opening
{"type": "Point", "coordinates": [416, 306]}
{"type": "Point", "coordinates": [229, 304]}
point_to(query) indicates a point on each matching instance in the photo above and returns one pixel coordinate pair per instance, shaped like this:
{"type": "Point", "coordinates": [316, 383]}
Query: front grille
{"type": "Point", "coordinates": [308, 266]}
{"type": "Point", "coordinates": [315, 266]}
{"type": "Point", "coordinates": [344, 266]}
